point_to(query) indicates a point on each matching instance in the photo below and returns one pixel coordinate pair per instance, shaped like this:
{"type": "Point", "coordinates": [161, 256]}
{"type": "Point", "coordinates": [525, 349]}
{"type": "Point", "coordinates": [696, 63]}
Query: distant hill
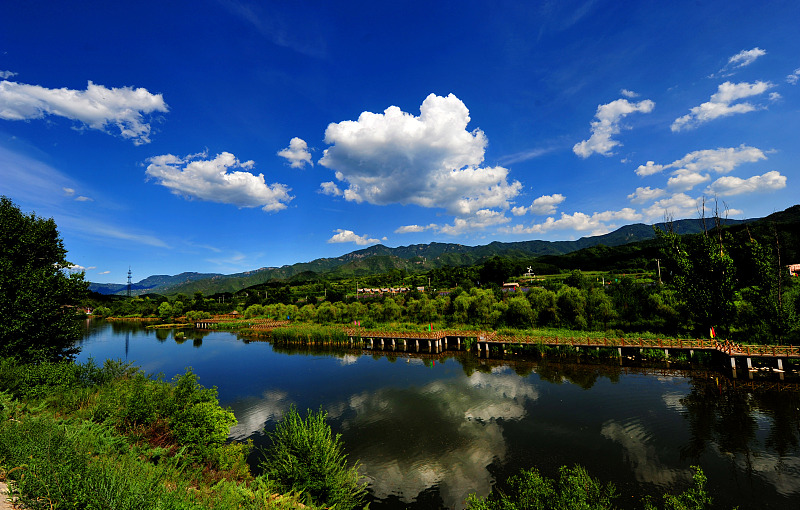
{"type": "Point", "coordinates": [155, 283]}
{"type": "Point", "coordinates": [413, 258]}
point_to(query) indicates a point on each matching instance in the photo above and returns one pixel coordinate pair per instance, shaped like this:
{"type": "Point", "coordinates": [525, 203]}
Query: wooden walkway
{"type": "Point", "coordinates": [486, 341]}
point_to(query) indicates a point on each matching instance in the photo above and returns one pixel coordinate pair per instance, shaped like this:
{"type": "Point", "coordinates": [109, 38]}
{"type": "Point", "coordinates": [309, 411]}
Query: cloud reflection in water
{"type": "Point", "coordinates": [443, 435]}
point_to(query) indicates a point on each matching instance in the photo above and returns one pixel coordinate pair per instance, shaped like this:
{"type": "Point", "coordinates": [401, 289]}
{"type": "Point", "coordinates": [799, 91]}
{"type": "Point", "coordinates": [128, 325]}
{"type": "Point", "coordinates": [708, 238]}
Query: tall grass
{"type": "Point", "coordinates": [306, 457]}
{"type": "Point", "coordinates": [311, 334]}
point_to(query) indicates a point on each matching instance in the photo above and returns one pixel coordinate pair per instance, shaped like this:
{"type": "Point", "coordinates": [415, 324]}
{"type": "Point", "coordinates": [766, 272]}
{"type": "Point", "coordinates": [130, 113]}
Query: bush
{"type": "Point", "coordinates": [306, 457]}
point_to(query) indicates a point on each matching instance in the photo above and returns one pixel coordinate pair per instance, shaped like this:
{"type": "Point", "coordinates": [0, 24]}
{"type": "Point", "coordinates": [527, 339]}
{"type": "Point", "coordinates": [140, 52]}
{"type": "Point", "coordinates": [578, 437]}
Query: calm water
{"type": "Point", "coordinates": [429, 432]}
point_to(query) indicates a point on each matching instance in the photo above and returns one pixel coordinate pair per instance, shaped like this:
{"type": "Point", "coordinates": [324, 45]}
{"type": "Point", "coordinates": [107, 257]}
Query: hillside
{"type": "Point", "coordinates": [413, 258]}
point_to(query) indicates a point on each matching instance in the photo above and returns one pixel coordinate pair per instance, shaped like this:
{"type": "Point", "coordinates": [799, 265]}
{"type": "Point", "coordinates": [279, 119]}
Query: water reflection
{"type": "Point", "coordinates": [445, 434]}
{"type": "Point", "coordinates": [428, 431]}
{"type": "Point", "coordinates": [757, 431]}
{"type": "Point", "coordinates": [253, 413]}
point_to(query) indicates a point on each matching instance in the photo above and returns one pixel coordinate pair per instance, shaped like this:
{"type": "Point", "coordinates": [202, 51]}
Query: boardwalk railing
{"type": "Point", "coordinates": [443, 338]}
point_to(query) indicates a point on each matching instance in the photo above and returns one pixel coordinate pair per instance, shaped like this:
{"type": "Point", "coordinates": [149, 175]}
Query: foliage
{"type": "Point", "coordinates": [529, 490]}
{"type": "Point", "coordinates": [306, 457]}
{"type": "Point", "coordinates": [576, 489]}
{"type": "Point", "coordinates": [38, 299]}
{"type": "Point", "coordinates": [85, 436]}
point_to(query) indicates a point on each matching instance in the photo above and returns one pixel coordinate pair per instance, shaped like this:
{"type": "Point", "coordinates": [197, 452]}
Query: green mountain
{"type": "Point", "coordinates": [420, 257]}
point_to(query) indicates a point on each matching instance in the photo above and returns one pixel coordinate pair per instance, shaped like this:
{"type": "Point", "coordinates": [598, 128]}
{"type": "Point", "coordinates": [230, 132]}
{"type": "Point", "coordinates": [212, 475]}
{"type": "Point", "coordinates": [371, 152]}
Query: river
{"type": "Point", "coordinates": [428, 431]}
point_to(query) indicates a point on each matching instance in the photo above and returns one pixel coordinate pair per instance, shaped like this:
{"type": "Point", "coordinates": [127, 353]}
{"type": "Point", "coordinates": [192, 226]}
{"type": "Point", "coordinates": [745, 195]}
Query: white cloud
{"type": "Point", "coordinates": [82, 198]}
{"type": "Point", "coordinates": [297, 152]}
{"type": "Point", "coordinates": [430, 160]}
{"type": "Point", "coordinates": [689, 169]}
{"type": "Point", "coordinates": [597, 223]}
{"type": "Point", "coordinates": [607, 124]}
{"type": "Point", "coordinates": [348, 236]}
{"type": "Point", "coordinates": [330, 188]}
{"type": "Point", "coordinates": [628, 93]}
{"type": "Point", "coordinates": [408, 229]}
{"type": "Point", "coordinates": [649, 168]}
{"type": "Point", "coordinates": [729, 185]}
{"type": "Point", "coordinates": [546, 204]}
{"type": "Point", "coordinates": [745, 57]}
{"type": "Point", "coordinates": [97, 107]}
{"type": "Point", "coordinates": [677, 206]}
{"type": "Point", "coordinates": [684, 180]}
{"type": "Point", "coordinates": [480, 220]}
{"type": "Point", "coordinates": [722, 104]}
{"type": "Point", "coordinates": [104, 272]}
{"type": "Point", "coordinates": [7, 74]}
{"type": "Point", "coordinates": [195, 176]}
{"type": "Point", "coordinates": [793, 78]}
{"type": "Point", "coordinates": [69, 191]}
{"type": "Point", "coordinates": [642, 195]}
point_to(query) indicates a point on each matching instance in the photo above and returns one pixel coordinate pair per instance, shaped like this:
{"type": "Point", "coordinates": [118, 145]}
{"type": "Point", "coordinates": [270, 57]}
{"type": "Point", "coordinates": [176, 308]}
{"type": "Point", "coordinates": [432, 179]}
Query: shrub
{"type": "Point", "coordinates": [306, 457]}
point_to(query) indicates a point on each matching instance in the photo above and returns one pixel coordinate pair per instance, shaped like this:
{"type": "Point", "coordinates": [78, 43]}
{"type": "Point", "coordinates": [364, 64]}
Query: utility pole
{"type": "Point", "coordinates": [658, 262]}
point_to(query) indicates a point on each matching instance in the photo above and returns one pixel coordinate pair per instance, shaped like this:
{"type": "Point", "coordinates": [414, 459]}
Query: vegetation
{"type": "Point", "coordinates": [83, 436]}
{"type": "Point", "coordinates": [38, 294]}
{"type": "Point", "coordinates": [575, 489]}
{"type": "Point", "coordinates": [307, 458]}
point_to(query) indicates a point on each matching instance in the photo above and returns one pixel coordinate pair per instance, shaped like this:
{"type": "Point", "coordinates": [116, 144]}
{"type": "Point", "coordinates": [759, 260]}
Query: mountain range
{"type": "Point", "coordinates": [413, 258]}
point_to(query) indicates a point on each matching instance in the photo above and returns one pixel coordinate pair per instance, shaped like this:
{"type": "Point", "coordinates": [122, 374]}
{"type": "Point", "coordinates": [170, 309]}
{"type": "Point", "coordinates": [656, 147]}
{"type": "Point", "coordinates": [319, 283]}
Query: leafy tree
{"type": "Point", "coordinates": [38, 298]}
{"type": "Point", "coordinates": [571, 307]}
{"type": "Point", "coordinates": [519, 313]}
{"type": "Point", "coordinates": [703, 272]}
{"type": "Point", "coordinates": [165, 310]}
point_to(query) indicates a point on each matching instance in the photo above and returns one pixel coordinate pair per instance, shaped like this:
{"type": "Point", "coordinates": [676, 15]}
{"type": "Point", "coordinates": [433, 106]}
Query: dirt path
{"type": "Point", "coordinates": [5, 504]}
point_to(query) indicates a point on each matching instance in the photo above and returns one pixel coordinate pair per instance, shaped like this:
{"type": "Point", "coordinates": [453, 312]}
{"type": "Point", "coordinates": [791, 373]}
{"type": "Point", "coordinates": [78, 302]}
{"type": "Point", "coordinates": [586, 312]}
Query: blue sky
{"type": "Point", "coordinates": [224, 136]}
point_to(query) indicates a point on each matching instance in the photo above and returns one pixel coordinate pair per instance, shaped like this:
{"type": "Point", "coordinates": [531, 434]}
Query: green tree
{"type": "Point", "coordinates": [702, 271]}
{"type": "Point", "coordinates": [38, 296]}
{"type": "Point", "coordinates": [165, 310]}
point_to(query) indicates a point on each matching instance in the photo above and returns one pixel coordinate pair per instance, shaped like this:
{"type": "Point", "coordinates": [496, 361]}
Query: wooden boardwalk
{"type": "Point", "coordinates": [484, 342]}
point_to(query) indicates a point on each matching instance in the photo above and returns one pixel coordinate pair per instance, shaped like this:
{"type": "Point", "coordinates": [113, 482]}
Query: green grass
{"type": "Point", "coordinates": [84, 436]}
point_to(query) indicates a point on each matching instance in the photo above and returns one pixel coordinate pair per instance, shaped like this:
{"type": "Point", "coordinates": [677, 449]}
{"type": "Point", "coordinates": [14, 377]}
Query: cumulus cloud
{"type": "Point", "coordinates": [598, 223]}
{"type": "Point", "coordinates": [628, 93]}
{"type": "Point", "coordinates": [650, 168]}
{"type": "Point", "coordinates": [679, 205]}
{"type": "Point", "coordinates": [408, 229]}
{"type": "Point", "coordinates": [330, 188]}
{"type": "Point", "coordinates": [217, 180]}
{"type": "Point", "coordinates": [684, 180]}
{"type": "Point", "coordinates": [729, 185]}
{"type": "Point", "coordinates": [297, 153]}
{"type": "Point", "coordinates": [480, 220]}
{"type": "Point", "coordinates": [348, 236]}
{"type": "Point", "coordinates": [606, 125]}
{"type": "Point", "coordinates": [7, 74]}
{"type": "Point", "coordinates": [430, 160]}
{"type": "Point", "coordinates": [97, 107]}
{"type": "Point", "coordinates": [722, 160]}
{"type": "Point", "coordinates": [691, 169]}
{"type": "Point", "coordinates": [643, 195]}
{"type": "Point", "coordinates": [546, 204]}
{"type": "Point", "coordinates": [722, 104]}
{"type": "Point", "coordinates": [793, 78]}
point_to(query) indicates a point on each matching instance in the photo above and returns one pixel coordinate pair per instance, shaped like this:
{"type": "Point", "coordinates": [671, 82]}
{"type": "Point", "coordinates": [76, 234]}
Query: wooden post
{"type": "Point", "coordinates": [733, 366]}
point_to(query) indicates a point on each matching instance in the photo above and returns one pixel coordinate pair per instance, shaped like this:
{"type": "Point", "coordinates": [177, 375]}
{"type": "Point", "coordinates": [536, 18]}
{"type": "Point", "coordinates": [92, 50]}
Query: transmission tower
{"type": "Point", "coordinates": [129, 281]}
